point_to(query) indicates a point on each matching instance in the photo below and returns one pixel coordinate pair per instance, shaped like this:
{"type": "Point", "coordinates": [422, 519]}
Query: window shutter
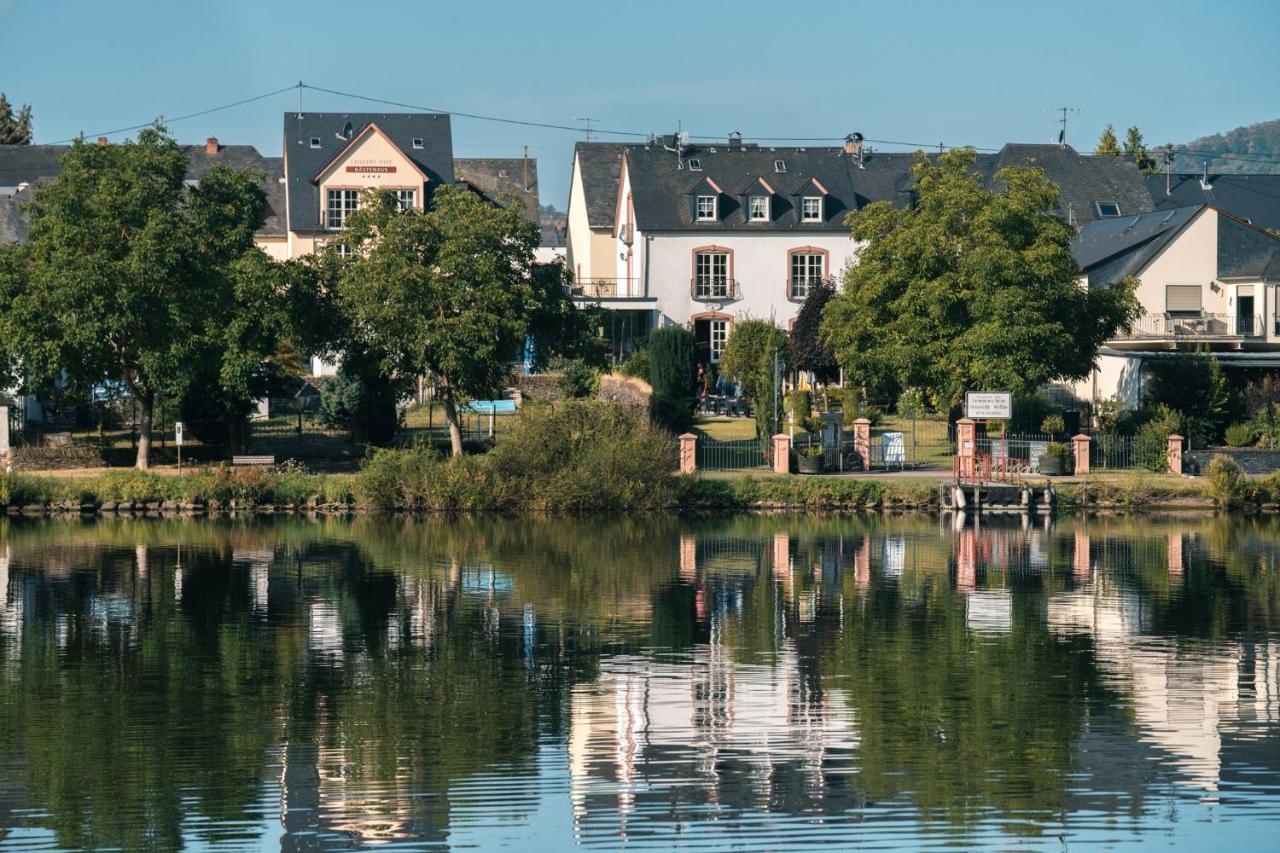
{"type": "Point", "coordinates": [1183, 297]}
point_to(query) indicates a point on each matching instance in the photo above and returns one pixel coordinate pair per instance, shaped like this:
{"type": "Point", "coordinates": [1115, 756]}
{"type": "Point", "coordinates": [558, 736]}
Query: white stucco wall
{"type": "Point", "coordinates": [760, 266]}
{"type": "Point", "coordinates": [1191, 258]}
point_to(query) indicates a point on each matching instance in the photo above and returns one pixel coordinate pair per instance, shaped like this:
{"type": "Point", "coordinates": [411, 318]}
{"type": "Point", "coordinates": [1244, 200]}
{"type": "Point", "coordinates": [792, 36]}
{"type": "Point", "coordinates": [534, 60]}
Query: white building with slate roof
{"type": "Point", "coordinates": [704, 235]}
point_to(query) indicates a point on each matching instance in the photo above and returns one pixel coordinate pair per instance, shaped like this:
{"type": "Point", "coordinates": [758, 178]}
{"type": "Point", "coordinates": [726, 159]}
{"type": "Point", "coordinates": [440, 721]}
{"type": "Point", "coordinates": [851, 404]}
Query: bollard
{"type": "Point", "coordinates": [1080, 447]}
{"type": "Point", "coordinates": [688, 453]}
{"type": "Point", "coordinates": [1175, 454]}
{"type": "Point", "coordinates": [862, 441]}
{"type": "Point", "coordinates": [966, 448]}
{"type": "Point", "coordinates": [782, 453]}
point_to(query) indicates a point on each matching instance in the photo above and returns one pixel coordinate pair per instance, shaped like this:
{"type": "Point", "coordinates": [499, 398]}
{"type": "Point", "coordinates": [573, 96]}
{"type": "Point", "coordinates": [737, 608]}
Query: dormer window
{"type": "Point", "coordinates": [811, 208]}
{"type": "Point", "coordinates": [706, 210]}
{"type": "Point", "coordinates": [780, 166]}
{"type": "Point", "coordinates": [1107, 208]}
{"type": "Point", "coordinates": [418, 143]}
{"type": "Point", "coordinates": [695, 165]}
{"type": "Point", "coordinates": [758, 207]}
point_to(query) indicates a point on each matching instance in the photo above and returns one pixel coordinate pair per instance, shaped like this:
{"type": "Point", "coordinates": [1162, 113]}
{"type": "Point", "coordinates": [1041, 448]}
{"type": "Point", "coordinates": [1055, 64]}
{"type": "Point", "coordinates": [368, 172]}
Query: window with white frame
{"type": "Point", "coordinates": [806, 272]}
{"type": "Point", "coordinates": [407, 198]}
{"type": "Point", "coordinates": [711, 275]}
{"type": "Point", "coordinates": [719, 335]}
{"type": "Point", "coordinates": [759, 207]}
{"type": "Point", "coordinates": [344, 250]}
{"type": "Point", "coordinates": [811, 208]}
{"type": "Point", "coordinates": [706, 208]}
{"type": "Point", "coordinates": [341, 204]}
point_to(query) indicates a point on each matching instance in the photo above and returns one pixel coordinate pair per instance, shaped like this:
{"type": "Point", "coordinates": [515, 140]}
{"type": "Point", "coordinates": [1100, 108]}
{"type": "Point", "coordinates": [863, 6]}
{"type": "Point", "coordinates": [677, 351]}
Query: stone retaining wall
{"type": "Point", "coordinates": [1253, 460]}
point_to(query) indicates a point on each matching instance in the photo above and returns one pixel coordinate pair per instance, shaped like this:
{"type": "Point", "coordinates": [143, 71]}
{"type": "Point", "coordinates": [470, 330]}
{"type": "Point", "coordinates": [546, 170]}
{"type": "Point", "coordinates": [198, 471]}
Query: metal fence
{"type": "Point", "coordinates": [911, 444]}
{"type": "Point", "coordinates": [735, 455]}
{"type": "Point", "coordinates": [1122, 452]}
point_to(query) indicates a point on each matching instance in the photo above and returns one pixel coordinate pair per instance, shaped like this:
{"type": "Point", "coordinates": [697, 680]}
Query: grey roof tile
{"type": "Point", "coordinates": [1107, 250]}
{"type": "Point", "coordinates": [659, 187]}
{"type": "Point", "coordinates": [494, 177]}
{"type": "Point", "coordinates": [1255, 198]}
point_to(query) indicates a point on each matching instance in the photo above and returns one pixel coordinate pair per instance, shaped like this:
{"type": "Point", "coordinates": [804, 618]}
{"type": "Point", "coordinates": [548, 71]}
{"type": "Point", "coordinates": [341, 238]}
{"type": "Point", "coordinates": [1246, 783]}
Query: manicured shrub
{"type": "Point", "coordinates": [1242, 435]}
{"type": "Point", "coordinates": [1053, 425]}
{"type": "Point", "coordinates": [671, 373]}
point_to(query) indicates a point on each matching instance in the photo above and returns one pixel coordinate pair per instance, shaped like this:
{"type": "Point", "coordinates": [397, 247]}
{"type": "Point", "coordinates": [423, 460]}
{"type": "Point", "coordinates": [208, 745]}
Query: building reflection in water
{"type": "Point", "coordinates": [727, 683]}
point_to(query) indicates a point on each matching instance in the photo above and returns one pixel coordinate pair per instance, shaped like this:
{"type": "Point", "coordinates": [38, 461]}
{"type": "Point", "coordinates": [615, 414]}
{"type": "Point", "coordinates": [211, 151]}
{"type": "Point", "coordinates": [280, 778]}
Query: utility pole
{"type": "Point", "coordinates": [587, 120]}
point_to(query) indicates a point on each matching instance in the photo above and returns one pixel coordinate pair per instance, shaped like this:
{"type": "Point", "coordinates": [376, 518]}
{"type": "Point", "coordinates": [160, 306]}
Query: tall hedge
{"type": "Point", "coordinates": [671, 373]}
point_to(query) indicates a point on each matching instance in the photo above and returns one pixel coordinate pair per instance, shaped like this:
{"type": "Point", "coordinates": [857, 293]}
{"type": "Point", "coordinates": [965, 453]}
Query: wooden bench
{"type": "Point", "coordinates": [269, 461]}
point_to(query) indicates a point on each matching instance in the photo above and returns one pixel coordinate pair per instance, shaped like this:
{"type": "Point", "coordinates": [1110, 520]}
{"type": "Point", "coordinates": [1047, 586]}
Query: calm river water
{"type": "Point", "coordinates": [737, 682]}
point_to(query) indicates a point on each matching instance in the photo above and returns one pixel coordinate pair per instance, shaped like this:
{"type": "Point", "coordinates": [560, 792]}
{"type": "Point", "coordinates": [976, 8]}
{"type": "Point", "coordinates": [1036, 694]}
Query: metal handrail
{"type": "Point", "coordinates": [714, 290]}
{"type": "Point", "coordinates": [987, 468]}
{"type": "Point", "coordinates": [1167, 326]}
{"type": "Point", "coordinates": [808, 281]}
{"type": "Point", "coordinates": [608, 288]}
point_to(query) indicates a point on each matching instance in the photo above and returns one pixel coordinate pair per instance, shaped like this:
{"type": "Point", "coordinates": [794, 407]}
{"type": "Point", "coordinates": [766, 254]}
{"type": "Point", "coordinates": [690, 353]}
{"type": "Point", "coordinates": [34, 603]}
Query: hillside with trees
{"type": "Point", "coordinates": [1260, 142]}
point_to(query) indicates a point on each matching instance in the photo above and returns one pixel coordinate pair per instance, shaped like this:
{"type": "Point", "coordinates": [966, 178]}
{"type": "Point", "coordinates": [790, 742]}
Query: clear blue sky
{"type": "Point", "coordinates": [960, 73]}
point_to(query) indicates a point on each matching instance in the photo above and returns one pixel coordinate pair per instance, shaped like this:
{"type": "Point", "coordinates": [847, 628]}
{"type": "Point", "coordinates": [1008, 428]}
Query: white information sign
{"type": "Point", "coordinates": [4, 429]}
{"type": "Point", "coordinates": [988, 407]}
{"type": "Point", "coordinates": [177, 433]}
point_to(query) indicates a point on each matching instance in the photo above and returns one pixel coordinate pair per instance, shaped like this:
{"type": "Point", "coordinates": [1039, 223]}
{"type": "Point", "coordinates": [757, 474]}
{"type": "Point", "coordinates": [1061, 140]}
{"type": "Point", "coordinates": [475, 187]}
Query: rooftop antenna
{"type": "Point", "coordinates": [586, 120]}
{"type": "Point", "coordinates": [299, 116]}
{"type": "Point", "coordinates": [1062, 134]}
{"type": "Point", "coordinates": [1204, 177]}
{"type": "Point", "coordinates": [1168, 169]}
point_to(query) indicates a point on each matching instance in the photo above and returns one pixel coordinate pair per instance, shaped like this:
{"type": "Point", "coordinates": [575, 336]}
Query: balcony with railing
{"type": "Point", "coordinates": [1204, 327]}
{"type": "Point", "coordinates": [714, 289]}
{"type": "Point", "coordinates": [798, 288]}
{"type": "Point", "coordinates": [607, 288]}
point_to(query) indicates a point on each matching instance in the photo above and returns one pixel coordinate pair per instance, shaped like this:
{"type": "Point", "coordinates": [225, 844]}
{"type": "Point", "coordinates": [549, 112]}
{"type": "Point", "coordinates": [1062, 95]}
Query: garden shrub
{"type": "Point", "coordinates": [1225, 481]}
{"type": "Point", "coordinates": [911, 403]}
{"type": "Point", "coordinates": [1053, 424]}
{"type": "Point", "coordinates": [749, 359]}
{"type": "Point", "coordinates": [637, 365]}
{"type": "Point", "coordinates": [1151, 443]}
{"type": "Point", "coordinates": [586, 455]}
{"type": "Point", "coordinates": [578, 379]}
{"type": "Point", "coordinates": [1242, 435]}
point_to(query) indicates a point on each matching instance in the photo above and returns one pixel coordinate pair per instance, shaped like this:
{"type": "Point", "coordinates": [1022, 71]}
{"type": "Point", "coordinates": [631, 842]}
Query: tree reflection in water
{"type": "Point", "coordinates": [173, 683]}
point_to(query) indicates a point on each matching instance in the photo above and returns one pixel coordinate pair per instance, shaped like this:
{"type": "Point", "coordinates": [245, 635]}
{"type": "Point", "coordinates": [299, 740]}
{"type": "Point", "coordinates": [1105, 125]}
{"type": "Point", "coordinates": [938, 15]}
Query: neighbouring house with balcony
{"type": "Point", "coordinates": [1207, 280]}
{"type": "Point", "coordinates": [703, 234]}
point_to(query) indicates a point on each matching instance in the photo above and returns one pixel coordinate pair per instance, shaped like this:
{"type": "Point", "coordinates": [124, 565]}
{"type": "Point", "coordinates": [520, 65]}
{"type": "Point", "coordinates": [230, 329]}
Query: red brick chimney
{"type": "Point", "coordinates": [102, 140]}
{"type": "Point", "coordinates": [211, 145]}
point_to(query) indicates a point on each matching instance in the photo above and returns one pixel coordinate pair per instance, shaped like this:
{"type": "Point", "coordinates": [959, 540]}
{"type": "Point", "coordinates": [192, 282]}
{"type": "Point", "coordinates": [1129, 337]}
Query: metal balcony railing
{"type": "Point", "coordinates": [607, 288]}
{"type": "Point", "coordinates": [1250, 326]}
{"type": "Point", "coordinates": [798, 288]}
{"type": "Point", "coordinates": [714, 289]}
{"type": "Point", "coordinates": [1168, 327]}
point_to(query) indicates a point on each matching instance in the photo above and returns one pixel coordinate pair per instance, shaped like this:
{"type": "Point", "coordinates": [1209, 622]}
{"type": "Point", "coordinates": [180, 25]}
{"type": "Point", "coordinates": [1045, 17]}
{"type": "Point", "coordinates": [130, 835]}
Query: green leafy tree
{"type": "Point", "coordinates": [1108, 145]}
{"type": "Point", "coordinates": [446, 292]}
{"type": "Point", "coordinates": [134, 278]}
{"type": "Point", "coordinates": [14, 130]}
{"type": "Point", "coordinates": [362, 398]}
{"type": "Point", "coordinates": [1193, 385]}
{"type": "Point", "coordinates": [1136, 151]}
{"type": "Point", "coordinates": [970, 289]}
{"type": "Point", "coordinates": [754, 355]}
{"type": "Point", "coordinates": [671, 375]}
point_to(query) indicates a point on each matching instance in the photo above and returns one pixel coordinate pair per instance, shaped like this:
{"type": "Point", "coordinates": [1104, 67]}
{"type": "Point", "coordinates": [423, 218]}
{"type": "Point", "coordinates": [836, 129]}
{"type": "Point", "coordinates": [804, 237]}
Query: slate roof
{"type": "Point", "coordinates": [600, 165]}
{"type": "Point", "coordinates": [1109, 249]}
{"type": "Point", "coordinates": [28, 164]}
{"type": "Point", "coordinates": [660, 189]}
{"type": "Point", "coordinates": [494, 177]}
{"type": "Point", "coordinates": [435, 158]}
{"type": "Point", "coordinates": [1255, 198]}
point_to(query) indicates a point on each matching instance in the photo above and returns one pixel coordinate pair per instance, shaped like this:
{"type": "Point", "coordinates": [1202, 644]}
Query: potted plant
{"type": "Point", "coordinates": [1053, 461]}
{"type": "Point", "coordinates": [809, 459]}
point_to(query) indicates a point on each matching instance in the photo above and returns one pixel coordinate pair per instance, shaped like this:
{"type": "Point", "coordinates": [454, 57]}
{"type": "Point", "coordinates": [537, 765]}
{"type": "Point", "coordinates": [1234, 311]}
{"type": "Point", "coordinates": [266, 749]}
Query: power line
{"type": "Point", "coordinates": [162, 120]}
{"type": "Point", "coordinates": [299, 86]}
{"type": "Point", "coordinates": [520, 122]}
